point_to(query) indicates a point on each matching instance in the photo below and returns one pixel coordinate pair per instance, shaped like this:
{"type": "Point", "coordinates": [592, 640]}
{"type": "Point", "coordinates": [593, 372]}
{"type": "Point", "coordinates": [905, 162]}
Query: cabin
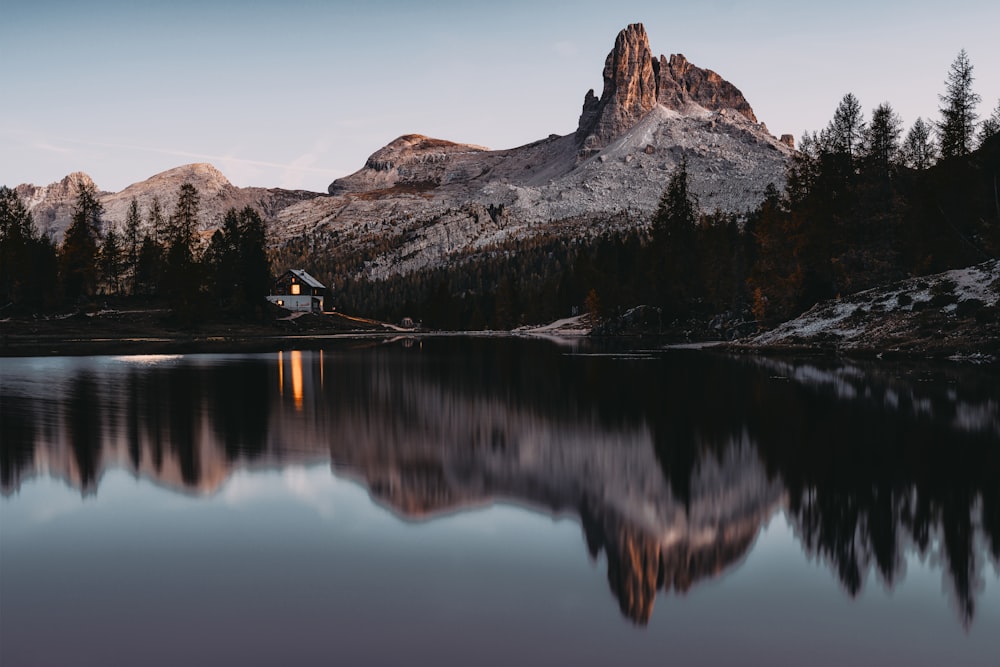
{"type": "Point", "coordinates": [297, 291]}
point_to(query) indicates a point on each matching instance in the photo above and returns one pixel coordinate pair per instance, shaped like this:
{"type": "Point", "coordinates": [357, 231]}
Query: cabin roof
{"type": "Point", "coordinates": [306, 278]}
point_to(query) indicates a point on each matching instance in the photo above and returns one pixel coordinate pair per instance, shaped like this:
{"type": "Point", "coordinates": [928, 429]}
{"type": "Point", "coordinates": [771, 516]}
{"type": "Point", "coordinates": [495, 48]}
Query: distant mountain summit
{"type": "Point", "coordinates": [52, 205]}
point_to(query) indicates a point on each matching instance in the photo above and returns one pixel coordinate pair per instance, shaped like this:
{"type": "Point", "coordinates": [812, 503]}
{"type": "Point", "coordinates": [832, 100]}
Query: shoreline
{"type": "Point", "coordinates": [146, 331]}
{"type": "Point", "coordinates": [14, 345]}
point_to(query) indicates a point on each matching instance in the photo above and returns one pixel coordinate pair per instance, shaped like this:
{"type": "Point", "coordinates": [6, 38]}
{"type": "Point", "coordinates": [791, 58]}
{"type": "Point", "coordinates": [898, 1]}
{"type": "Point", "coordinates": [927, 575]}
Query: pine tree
{"type": "Point", "coordinates": [184, 220]}
{"type": "Point", "coordinates": [149, 267]}
{"type": "Point", "coordinates": [28, 274]}
{"type": "Point", "coordinates": [990, 127]}
{"type": "Point", "coordinates": [919, 150]}
{"type": "Point", "coordinates": [881, 146]}
{"type": "Point", "coordinates": [778, 275]}
{"type": "Point", "coordinates": [181, 275]}
{"type": "Point", "coordinates": [111, 261]}
{"type": "Point", "coordinates": [132, 241]}
{"type": "Point", "coordinates": [78, 255]}
{"type": "Point", "coordinates": [593, 306]}
{"type": "Point", "coordinates": [15, 220]}
{"type": "Point", "coordinates": [222, 260]}
{"type": "Point", "coordinates": [957, 126]}
{"type": "Point", "coordinates": [254, 265]}
{"type": "Point", "coordinates": [846, 132]}
{"type": "Point", "coordinates": [673, 242]}
{"type": "Point", "coordinates": [237, 263]}
{"type": "Point", "coordinates": [157, 223]}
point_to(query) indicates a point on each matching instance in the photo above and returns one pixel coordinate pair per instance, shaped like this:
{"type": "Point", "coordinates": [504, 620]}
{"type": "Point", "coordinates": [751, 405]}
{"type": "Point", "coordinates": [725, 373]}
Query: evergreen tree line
{"type": "Point", "coordinates": [863, 204]}
{"type": "Point", "coordinates": [99, 258]}
{"type": "Point", "coordinates": [550, 276]}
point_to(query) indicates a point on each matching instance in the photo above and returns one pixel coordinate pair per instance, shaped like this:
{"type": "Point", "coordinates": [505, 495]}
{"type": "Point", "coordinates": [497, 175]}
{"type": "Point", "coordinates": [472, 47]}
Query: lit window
{"type": "Point", "coordinates": [296, 288]}
{"type": "Point", "coordinates": [281, 302]}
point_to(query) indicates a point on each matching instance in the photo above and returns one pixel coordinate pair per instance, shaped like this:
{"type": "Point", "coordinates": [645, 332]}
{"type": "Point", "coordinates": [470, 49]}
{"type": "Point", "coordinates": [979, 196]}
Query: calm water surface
{"type": "Point", "coordinates": [497, 501]}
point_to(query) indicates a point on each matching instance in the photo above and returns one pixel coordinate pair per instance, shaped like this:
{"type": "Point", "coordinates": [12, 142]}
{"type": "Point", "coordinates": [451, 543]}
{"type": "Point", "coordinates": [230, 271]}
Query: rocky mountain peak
{"type": "Point", "coordinates": [65, 189]}
{"type": "Point", "coordinates": [410, 160]}
{"type": "Point", "coordinates": [205, 177]}
{"type": "Point", "coordinates": [629, 90]}
{"type": "Point", "coordinates": [52, 205]}
{"type": "Point", "coordinates": [681, 83]}
{"type": "Point", "coordinates": [73, 181]}
{"type": "Point", "coordinates": [635, 82]}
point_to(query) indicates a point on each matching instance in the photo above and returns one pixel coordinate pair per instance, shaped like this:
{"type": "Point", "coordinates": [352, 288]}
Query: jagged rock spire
{"type": "Point", "coordinates": [629, 90]}
{"type": "Point", "coordinates": [635, 82]}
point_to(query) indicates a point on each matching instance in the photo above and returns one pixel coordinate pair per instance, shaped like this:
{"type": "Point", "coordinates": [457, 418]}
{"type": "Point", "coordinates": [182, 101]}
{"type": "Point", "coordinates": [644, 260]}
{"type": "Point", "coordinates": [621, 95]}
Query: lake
{"type": "Point", "coordinates": [497, 501]}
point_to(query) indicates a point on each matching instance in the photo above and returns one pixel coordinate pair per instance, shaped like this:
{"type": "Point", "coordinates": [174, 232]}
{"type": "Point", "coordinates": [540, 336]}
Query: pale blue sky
{"type": "Point", "coordinates": [299, 92]}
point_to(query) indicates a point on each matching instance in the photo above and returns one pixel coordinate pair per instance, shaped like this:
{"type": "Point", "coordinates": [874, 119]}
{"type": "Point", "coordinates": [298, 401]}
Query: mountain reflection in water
{"type": "Point", "coordinates": [672, 462]}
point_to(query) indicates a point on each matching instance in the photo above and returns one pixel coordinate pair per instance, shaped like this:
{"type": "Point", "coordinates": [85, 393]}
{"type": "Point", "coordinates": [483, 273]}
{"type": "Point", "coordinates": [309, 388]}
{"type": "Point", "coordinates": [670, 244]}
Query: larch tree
{"type": "Point", "coordinates": [16, 231]}
{"type": "Point", "coordinates": [149, 267]}
{"type": "Point", "coordinates": [846, 132]}
{"type": "Point", "coordinates": [110, 261]}
{"type": "Point", "coordinates": [673, 238]}
{"type": "Point", "coordinates": [132, 241]}
{"type": "Point", "coordinates": [957, 126]}
{"type": "Point", "coordinates": [78, 254]}
{"type": "Point", "coordinates": [882, 139]}
{"type": "Point", "coordinates": [28, 274]}
{"type": "Point", "coordinates": [156, 220]}
{"type": "Point", "coordinates": [181, 277]}
{"type": "Point", "coordinates": [255, 266]}
{"type": "Point", "coordinates": [237, 258]}
{"type": "Point", "coordinates": [919, 150]}
{"type": "Point", "coordinates": [184, 220]}
{"type": "Point", "coordinates": [991, 126]}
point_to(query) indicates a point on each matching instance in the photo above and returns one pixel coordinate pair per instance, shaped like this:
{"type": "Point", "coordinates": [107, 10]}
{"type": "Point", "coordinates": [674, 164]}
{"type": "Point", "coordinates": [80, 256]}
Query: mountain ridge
{"type": "Point", "coordinates": [52, 205]}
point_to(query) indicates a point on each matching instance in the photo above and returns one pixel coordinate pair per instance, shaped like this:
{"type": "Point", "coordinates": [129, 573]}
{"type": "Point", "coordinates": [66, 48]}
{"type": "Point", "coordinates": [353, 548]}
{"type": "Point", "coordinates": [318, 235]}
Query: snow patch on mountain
{"type": "Point", "coordinates": [955, 309]}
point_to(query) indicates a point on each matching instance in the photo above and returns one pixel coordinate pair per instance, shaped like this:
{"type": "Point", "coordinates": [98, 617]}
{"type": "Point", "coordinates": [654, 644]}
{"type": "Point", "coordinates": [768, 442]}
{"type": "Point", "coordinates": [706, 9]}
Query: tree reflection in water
{"type": "Point", "coordinates": [672, 461]}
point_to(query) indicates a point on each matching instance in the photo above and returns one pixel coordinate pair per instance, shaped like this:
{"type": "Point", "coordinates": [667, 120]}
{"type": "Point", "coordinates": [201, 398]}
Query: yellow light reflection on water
{"type": "Point", "coordinates": [297, 378]}
{"type": "Point", "coordinates": [281, 374]}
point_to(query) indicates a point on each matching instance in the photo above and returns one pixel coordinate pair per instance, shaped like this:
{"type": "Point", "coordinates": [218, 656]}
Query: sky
{"type": "Point", "coordinates": [296, 93]}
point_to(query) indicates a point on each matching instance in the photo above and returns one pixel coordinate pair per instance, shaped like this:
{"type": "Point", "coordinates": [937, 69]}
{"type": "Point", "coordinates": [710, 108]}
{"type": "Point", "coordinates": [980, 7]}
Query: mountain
{"type": "Point", "coordinates": [52, 205]}
{"type": "Point", "coordinates": [420, 202]}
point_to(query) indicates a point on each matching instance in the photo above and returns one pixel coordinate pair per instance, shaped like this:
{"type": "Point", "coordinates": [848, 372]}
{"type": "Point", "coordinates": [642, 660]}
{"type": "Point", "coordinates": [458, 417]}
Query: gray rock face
{"type": "Point", "coordinates": [680, 83]}
{"type": "Point", "coordinates": [409, 224]}
{"type": "Point", "coordinates": [52, 205]}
